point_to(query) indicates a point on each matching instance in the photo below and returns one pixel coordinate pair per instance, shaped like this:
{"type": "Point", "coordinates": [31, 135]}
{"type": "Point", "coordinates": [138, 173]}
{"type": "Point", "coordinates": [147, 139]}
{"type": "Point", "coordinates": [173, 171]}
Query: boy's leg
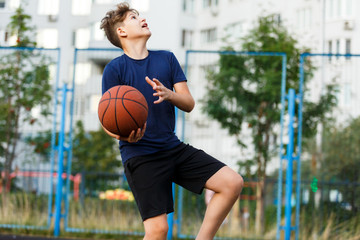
{"type": "Point", "coordinates": [156, 228]}
{"type": "Point", "coordinates": [227, 185]}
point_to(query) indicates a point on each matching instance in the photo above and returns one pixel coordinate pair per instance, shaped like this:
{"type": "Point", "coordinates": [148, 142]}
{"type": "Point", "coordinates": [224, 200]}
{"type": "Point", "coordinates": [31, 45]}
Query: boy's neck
{"type": "Point", "coordinates": [136, 51]}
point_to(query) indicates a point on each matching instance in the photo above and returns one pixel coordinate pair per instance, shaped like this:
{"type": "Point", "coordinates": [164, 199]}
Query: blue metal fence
{"type": "Point", "coordinates": [34, 56]}
{"type": "Point", "coordinates": [76, 210]}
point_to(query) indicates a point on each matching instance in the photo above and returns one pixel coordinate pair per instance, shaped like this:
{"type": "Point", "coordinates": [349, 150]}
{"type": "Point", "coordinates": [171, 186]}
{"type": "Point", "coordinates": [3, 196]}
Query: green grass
{"type": "Point", "coordinates": [93, 213]}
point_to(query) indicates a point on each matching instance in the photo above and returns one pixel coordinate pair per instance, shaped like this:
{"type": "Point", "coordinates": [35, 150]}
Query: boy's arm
{"type": "Point", "coordinates": [181, 98]}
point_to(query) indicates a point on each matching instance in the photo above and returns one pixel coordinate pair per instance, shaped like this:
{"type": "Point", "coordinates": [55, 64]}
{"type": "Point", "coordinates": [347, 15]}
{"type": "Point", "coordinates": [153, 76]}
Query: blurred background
{"type": "Point", "coordinates": [60, 43]}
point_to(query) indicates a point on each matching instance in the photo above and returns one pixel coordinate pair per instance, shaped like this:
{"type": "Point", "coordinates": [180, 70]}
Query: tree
{"type": "Point", "coordinates": [94, 151]}
{"type": "Point", "coordinates": [341, 157]}
{"type": "Point", "coordinates": [96, 154]}
{"type": "Point", "coordinates": [24, 87]}
{"type": "Point", "coordinates": [248, 90]}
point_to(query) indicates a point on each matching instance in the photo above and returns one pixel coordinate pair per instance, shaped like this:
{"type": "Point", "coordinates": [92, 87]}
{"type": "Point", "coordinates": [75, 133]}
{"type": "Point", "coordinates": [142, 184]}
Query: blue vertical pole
{"type": "Point", "coordinates": [180, 189]}
{"type": "Point", "coordinates": [289, 170]}
{"type": "Point", "coordinates": [280, 177]}
{"type": "Point", "coordinates": [53, 140]}
{"type": "Point", "coordinates": [69, 158]}
{"type": "Point", "coordinates": [170, 216]}
{"type": "Point", "coordinates": [59, 187]}
{"type": "Point", "coordinates": [300, 97]}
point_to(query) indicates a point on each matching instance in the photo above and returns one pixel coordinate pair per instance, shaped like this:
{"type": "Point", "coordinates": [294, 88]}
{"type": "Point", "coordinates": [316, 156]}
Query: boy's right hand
{"type": "Point", "coordinates": [132, 138]}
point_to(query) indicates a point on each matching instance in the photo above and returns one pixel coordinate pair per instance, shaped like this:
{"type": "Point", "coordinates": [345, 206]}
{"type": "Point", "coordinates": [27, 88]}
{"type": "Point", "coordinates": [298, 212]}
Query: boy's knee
{"type": "Point", "coordinates": [158, 231]}
{"type": "Point", "coordinates": [239, 183]}
{"type": "Point", "coordinates": [235, 184]}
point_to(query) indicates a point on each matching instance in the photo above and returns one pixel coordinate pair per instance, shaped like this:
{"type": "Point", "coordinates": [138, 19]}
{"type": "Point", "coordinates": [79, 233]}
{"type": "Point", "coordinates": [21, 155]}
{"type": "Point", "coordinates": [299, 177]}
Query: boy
{"type": "Point", "coordinates": [153, 157]}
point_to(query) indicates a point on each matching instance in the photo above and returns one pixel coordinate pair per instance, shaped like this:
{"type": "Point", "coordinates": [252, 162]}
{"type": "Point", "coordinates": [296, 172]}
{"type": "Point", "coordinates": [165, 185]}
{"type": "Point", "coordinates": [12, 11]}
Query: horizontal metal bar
{"type": "Point", "coordinates": [99, 49]}
{"type": "Point", "coordinates": [30, 48]}
{"type": "Point", "coordinates": [292, 228]}
{"type": "Point", "coordinates": [23, 226]}
{"type": "Point", "coordinates": [184, 236]}
{"type": "Point", "coordinates": [329, 55]}
{"type": "Point", "coordinates": [83, 230]}
{"type": "Point", "coordinates": [239, 53]}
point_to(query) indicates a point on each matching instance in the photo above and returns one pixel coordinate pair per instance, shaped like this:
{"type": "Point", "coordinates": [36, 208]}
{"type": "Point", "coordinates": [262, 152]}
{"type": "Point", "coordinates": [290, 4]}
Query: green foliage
{"type": "Point", "coordinates": [247, 89]}
{"type": "Point", "coordinates": [341, 152]}
{"type": "Point", "coordinates": [41, 143]}
{"type": "Point", "coordinates": [19, 27]}
{"type": "Point", "coordinates": [24, 87]}
{"type": "Point", "coordinates": [94, 151]}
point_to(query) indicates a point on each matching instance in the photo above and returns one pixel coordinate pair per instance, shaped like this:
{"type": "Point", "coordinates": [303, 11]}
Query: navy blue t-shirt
{"type": "Point", "coordinates": [164, 66]}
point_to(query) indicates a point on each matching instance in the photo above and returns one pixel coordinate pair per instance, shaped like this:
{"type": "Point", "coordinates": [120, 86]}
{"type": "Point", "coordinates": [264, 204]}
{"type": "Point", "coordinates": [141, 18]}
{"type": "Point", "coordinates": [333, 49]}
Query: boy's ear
{"type": "Point", "coordinates": [121, 32]}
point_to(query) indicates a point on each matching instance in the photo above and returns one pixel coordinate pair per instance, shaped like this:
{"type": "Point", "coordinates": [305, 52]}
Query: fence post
{"type": "Point", "coordinates": [289, 170]}
{"type": "Point", "coordinates": [59, 186]}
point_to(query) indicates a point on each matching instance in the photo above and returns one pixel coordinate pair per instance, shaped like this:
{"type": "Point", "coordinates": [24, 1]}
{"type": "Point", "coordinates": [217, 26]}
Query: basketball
{"type": "Point", "coordinates": [122, 109]}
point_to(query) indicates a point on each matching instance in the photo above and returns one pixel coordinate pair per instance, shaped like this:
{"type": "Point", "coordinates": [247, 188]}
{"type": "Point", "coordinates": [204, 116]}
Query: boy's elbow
{"type": "Point", "coordinates": [191, 106]}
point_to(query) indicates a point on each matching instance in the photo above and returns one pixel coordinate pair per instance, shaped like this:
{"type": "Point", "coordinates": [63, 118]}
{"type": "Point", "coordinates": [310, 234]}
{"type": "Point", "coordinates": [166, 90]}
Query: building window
{"type": "Point", "coordinates": [337, 48]}
{"type": "Point", "coordinates": [330, 49]}
{"type": "Point", "coordinates": [186, 38]}
{"type": "Point", "coordinates": [81, 38]}
{"type": "Point", "coordinates": [234, 31]}
{"type": "Point", "coordinates": [3, 37]}
{"type": "Point", "coordinates": [304, 18]}
{"type": "Point", "coordinates": [208, 35]}
{"type": "Point", "coordinates": [94, 102]}
{"type": "Point", "coordinates": [188, 6]}
{"type": "Point", "coordinates": [337, 8]}
{"type": "Point", "coordinates": [14, 4]}
{"type": "Point", "coordinates": [82, 73]}
{"type": "Point", "coordinates": [79, 106]}
{"type": "Point", "coordinates": [81, 7]}
{"type": "Point", "coordinates": [348, 8]}
{"type": "Point", "coordinates": [97, 33]}
{"type": "Point", "coordinates": [47, 38]}
{"type": "Point", "coordinates": [348, 47]}
{"type": "Point", "coordinates": [48, 7]}
{"type": "Point", "coordinates": [210, 3]}
{"type": "Point", "coordinates": [2, 3]}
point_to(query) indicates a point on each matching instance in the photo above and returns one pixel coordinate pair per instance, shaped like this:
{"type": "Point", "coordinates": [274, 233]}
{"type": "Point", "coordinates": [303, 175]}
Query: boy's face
{"type": "Point", "coordinates": [134, 26]}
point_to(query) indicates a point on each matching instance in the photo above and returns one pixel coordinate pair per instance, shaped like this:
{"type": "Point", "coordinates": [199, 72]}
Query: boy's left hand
{"type": "Point", "coordinates": [161, 91]}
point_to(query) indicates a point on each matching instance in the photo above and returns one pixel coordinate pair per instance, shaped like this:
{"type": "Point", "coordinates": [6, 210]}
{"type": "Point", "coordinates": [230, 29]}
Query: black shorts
{"type": "Point", "coordinates": [150, 177]}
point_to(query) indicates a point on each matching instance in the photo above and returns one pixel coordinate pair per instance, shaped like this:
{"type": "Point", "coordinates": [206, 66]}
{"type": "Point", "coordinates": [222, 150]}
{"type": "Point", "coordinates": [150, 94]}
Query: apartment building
{"type": "Point", "coordinates": [178, 25]}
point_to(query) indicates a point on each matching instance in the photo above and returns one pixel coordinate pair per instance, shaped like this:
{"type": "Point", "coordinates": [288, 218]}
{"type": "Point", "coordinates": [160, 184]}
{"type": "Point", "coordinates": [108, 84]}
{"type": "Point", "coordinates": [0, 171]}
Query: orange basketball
{"type": "Point", "coordinates": [122, 109]}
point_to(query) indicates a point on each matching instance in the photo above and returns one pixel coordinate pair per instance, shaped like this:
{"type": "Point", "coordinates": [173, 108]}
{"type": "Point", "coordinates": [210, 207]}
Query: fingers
{"type": "Point", "coordinates": [154, 83]}
{"type": "Point", "coordinates": [143, 130]}
{"type": "Point", "coordinates": [160, 91]}
{"type": "Point", "coordinates": [135, 136]}
{"type": "Point", "coordinates": [151, 83]}
{"type": "Point", "coordinates": [159, 101]}
{"type": "Point", "coordinates": [158, 83]}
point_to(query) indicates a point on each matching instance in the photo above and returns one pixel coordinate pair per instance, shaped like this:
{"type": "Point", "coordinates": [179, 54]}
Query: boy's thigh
{"type": "Point", "coordinates": [194, 167]}
{"type": "Point", "coordinates": [224, 177]}
{"type": "Point", "coordinates": [150, 182]}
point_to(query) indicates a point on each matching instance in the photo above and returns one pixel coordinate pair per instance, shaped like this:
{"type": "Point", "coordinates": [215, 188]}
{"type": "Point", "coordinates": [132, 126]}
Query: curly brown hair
{"type": "Point", "coordinates": [113, 20]}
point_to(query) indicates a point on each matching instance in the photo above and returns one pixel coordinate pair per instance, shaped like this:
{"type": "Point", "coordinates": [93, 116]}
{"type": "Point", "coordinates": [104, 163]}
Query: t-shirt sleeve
{"type": "Point", "coordinates": [110, 78]}
{"type": "Point", "coordinates": [177, 72]}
